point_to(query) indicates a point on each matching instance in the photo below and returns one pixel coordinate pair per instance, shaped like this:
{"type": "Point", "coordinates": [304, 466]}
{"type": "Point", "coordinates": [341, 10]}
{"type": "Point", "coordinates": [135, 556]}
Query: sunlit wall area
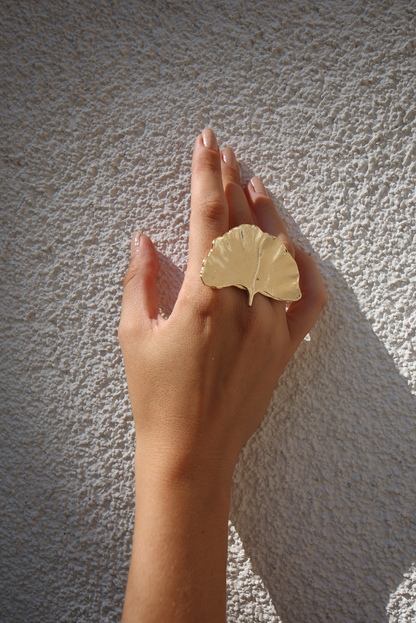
{"type": "Point", "coordinates": [101, 103]}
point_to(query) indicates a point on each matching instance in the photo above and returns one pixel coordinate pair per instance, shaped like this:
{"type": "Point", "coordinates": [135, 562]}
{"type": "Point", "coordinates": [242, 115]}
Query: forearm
{"type": "Point", "coordinates": [199, 384]}
{"type": "Point", "coordinates": [179, 557]}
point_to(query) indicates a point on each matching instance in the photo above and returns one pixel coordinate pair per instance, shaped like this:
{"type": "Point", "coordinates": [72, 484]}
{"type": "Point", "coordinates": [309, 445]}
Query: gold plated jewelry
{"type": "Point", "coordinates": [250, 259]}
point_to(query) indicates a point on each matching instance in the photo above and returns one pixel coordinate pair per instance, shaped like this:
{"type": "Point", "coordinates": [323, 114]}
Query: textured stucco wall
{"type": "Point", "coordinates": [100, 107]}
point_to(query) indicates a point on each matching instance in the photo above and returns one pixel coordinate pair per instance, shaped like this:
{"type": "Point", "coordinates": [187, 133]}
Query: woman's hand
{"type": "Point", "coordinates": [200, 381]}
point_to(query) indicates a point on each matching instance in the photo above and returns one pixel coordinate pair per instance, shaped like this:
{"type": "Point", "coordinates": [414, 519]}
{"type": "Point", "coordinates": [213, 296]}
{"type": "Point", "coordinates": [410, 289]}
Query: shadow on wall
{"type": "Point", "coordinates": [323, 495]}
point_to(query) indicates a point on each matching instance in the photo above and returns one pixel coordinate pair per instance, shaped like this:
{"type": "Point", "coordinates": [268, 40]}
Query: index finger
{"type": "Point", "coordinates": [209, 208]}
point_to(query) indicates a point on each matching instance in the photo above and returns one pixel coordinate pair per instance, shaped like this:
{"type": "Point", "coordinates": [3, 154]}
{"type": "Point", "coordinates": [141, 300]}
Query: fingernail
{"type": "Point", "coordinates": [135, 244]}
{"type": "Point", "coordinates": [258, 186]}
{"type": "Point", "coordinates": [229, 157]}
{"type": "Point", "coordinates": [209, 140]}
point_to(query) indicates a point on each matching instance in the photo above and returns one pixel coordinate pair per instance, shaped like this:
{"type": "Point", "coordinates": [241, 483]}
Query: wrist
{"type": "Point", "coordinates": [198, 470]}
{"type": "Point", "coordinates": [180, 536]}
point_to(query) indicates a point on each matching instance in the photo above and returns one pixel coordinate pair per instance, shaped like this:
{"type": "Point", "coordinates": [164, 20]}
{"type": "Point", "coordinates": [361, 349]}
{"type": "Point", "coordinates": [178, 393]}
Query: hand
{"type": "Point", "coordinates": [200, 383]}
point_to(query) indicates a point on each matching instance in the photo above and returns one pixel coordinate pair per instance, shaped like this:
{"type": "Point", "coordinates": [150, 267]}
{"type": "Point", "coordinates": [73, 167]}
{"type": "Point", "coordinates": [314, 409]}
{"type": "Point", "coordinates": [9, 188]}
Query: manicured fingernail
{"type": "Point", "coordinates": [258, 186]}
{"type": "Point", "coordinates": [135, 244]}
{"type": "Point", "coordinates": [209, 140]}
{"type": "Point", "coordinates": [229, 157]}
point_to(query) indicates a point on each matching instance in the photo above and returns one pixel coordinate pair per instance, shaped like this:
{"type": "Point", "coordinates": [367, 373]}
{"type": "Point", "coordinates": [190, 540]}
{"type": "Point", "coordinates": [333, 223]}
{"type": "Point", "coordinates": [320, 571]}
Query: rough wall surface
{"type": "Point", "coordinates": [101, 102]}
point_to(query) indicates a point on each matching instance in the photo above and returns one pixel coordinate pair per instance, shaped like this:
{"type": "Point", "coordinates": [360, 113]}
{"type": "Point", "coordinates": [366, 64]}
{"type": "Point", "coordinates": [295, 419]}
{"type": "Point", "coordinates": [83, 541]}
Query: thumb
{"type": "Point", "coordinates": [140, 303]}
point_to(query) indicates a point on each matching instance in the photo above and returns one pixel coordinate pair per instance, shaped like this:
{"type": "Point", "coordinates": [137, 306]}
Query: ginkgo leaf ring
{"type": "Point", "coordinates": [248, 258]}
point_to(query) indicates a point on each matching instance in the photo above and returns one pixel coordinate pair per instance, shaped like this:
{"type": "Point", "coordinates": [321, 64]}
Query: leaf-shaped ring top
{"type": "Point", "coordinates": [250, 259]}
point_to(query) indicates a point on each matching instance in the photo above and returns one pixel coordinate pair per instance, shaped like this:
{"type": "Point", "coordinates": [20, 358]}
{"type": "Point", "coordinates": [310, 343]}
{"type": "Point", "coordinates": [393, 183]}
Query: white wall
{"type": "Point", "coordinates": [102, 102]}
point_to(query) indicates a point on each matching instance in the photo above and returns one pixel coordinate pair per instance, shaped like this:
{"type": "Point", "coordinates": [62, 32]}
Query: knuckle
{"type": "Point", "coordinates": [144, 269]}
{"type": "Point", "coordinates": [130, 330]}
{"type": "Point", "coordinates": [287, 241]}
{"type": "Point", "coordinates": [209, 304]}
{"type": "Point", "coordinates": [207, 307]}
{"type": "Point", "coordinates": [212, 208]}
{"type": "Point", "coordinates": [231, 176]}
{"type": "Point", "coordinates": [125, 332]}
{"type": "Point", "coordinates": [208, 161]}
{"type": "Point", "coordinates": [289, 246]}
{"type": "Point", "coordinates": [248, 320]}
{"type": "Point", "coordinates": [130, 274]}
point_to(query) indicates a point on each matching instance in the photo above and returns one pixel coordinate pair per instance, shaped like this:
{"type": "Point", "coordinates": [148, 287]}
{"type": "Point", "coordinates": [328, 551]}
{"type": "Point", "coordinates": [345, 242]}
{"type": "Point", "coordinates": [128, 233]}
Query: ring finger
{"type": "Point", "coordinates": [239, 209]}
{"type": "Point", "coordinates": [265, 213]}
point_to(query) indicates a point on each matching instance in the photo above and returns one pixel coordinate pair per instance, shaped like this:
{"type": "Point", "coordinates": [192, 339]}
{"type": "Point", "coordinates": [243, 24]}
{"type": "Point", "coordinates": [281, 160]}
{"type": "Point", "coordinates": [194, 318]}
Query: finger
{"type": "Point", "coordinates": [140, 302]}
{"type": "Point", "coordinates": [209, 209]}
{"type": "Point", "coordinates": [239, 210]}
{"type": "Point", "coordinates": [265, 213]}
{"type": "Point", "coordinates": [302, 314]}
